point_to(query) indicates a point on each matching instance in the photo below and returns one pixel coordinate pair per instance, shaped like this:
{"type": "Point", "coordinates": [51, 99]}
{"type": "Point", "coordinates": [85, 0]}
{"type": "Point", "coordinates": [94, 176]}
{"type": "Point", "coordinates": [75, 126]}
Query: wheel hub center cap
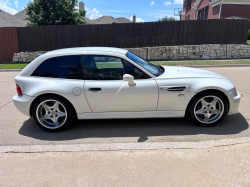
{"type": "Point", "coordinates": [53, 112]}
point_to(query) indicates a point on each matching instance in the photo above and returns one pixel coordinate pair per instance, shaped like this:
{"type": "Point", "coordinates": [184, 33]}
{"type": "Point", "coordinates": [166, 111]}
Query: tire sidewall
{"type": "Point", "coordinates": [70, 113]}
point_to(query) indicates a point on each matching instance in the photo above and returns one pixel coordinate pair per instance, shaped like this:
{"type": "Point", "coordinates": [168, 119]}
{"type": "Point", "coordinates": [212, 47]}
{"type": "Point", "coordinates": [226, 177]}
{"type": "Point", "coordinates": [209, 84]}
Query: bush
{"type": "Point", "coordinates": [166, 18]}
{"type": "Point", "coordinates": [249, 34]}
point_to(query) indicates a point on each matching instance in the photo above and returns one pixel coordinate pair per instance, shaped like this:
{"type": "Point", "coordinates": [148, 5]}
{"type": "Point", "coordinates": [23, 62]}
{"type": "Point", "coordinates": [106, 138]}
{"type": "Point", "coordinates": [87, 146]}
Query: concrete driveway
{"type": "Point", "coordinates": [17, 129]}
{"type": "Point", "coordinates": [79, 156]}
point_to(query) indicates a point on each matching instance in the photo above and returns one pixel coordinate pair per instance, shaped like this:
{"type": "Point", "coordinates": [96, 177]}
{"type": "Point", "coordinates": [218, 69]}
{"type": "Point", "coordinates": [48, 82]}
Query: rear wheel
{"type": "Point", "coordinates": [52, 113]}
{"type": "Point", "coordinates": [208, 109]}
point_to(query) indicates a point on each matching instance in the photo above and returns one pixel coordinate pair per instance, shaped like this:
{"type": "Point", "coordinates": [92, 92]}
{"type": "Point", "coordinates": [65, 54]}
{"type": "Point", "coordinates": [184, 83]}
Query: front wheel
{"type": "Point", "coordinates": [53, 113]}
{"type": "Point", "coordinates": [208, 109]}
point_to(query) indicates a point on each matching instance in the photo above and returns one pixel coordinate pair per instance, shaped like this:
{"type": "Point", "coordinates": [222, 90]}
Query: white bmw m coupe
{"type": "Point", "coordinates": [103, 83]}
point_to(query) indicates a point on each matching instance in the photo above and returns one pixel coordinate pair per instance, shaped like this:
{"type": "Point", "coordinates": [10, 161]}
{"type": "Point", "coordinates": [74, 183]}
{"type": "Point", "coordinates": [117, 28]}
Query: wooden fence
{"type": "Point", "coordinates": [8, 44]}
{"type": "Point", "coordinates": [130, 35]}
{"type": "Point", "coordinates": [127, 35]}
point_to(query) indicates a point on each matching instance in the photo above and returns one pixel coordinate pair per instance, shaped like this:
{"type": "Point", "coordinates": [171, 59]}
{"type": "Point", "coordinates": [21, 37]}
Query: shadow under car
{"type": "Point", "coordinates": [134, 128]}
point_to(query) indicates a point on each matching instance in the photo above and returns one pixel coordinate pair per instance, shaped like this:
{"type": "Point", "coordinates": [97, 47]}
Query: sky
{"type": "Point", "coordinates": [145, 10]}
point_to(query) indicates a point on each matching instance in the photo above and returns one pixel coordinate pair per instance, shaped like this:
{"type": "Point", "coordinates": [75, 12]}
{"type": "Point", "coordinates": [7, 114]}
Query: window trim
{"type": "Point", "coordinates": [83, 79]}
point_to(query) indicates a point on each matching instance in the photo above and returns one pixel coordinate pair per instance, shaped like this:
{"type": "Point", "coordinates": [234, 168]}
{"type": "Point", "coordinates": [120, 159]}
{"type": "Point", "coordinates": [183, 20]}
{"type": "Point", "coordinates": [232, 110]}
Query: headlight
{"type": "Point", "coordinates": [234, 91]}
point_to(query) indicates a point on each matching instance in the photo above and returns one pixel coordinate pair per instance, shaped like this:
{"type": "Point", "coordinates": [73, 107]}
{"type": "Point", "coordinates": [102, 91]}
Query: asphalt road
{"type": "Point", "coordinates": [17, 129]}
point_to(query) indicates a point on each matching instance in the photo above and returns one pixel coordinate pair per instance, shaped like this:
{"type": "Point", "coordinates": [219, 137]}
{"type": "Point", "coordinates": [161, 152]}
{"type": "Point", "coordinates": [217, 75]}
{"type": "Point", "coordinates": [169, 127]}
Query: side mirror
{"type": "Point", "coordinates": [129, 79]}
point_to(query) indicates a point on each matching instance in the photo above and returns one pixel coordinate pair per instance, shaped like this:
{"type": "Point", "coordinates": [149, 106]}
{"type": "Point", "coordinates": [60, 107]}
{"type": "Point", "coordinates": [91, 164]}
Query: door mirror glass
{"type": "Point", "coordinates": [129, 79]}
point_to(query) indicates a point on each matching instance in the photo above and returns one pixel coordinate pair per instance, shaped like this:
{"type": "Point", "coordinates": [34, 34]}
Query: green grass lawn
{"type": "Point", "coordinates": [199, 63]}
{"type": "Point", "coordinates": [166, 63]}
{"type": "Point", "coordinates": [13, 66]}
{"type": "Point", "coordinates": [248, 42]}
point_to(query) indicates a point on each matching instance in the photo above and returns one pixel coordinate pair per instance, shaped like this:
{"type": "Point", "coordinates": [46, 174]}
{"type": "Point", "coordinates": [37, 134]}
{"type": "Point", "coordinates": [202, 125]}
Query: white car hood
{"type": "Point", "coordinates": [172, 72]}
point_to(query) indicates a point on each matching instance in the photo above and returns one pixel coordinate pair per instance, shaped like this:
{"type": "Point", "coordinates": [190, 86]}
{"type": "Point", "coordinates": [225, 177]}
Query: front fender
{"type": "Point", "coordinates": [223, 85]}
{"type": "Point", "coordinates": [179, 100]}
{"type": "Point", "coordinates": [211, 83]}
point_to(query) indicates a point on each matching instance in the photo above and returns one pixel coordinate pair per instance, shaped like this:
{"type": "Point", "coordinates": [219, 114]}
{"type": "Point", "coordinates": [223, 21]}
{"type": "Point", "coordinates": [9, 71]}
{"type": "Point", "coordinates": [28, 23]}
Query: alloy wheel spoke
{"type": "Point", "coordinates": [46, 116]}
{"type": "Point", "coordinates": [201, 111]}
{"type": "Point", "coordinates": [56, 106]}
{"type": "Point", "coordinates": [214, 102]}
{"type": "Point", "coordinates": [207, 116]}
{"type": "Point", "coordinates": [204, 103]}
{"type": "Point", "coordinates": [55, 120]}
{"type": "Point", "coordinates": [46, 107]}
{"type": "Point", "coordinates": [215, 111]}
{"type": "Point", "coordinates": [61, 114]}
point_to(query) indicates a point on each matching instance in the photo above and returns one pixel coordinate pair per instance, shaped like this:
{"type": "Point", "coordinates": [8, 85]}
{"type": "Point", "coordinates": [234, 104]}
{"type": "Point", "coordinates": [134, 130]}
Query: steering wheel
{"type": "Point", "coordinates": [111, 69]}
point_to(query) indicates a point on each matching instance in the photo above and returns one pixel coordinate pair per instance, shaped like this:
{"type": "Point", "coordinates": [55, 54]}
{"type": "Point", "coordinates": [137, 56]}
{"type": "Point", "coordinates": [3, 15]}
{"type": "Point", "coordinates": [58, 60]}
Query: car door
{"type": "Point", "coordinates": [106, 91]}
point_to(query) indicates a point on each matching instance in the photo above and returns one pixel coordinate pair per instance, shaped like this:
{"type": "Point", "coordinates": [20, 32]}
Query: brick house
{"type": "Point", "coordinates": [215, 9]}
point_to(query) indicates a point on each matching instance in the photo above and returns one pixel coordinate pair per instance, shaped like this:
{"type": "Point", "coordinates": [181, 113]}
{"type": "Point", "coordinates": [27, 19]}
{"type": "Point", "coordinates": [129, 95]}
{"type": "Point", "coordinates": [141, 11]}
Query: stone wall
{"type": "Point", "coordinates": [184, 52]}
{"type": "Point", "coordinates": [193, 52]}
{"type": "Point", "coordinates": [25, 57]}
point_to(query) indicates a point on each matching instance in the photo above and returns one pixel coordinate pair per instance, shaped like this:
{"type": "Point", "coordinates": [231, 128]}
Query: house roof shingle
{"type": "Point", "coordinates": [19, 19]}
{"type": "Point", "coordinates": [123, 20]}
{"type": "Point", "coordinates": [21, 15]}
{"type": "Point", "coordinates": [8, 20]}
{"type": "Point", "coordinates": [108, 20]}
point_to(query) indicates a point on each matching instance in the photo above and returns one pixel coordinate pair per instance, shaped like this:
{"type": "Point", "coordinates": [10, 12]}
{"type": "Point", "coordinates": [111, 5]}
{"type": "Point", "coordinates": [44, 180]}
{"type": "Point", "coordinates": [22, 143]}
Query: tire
{"type": "Point", "coordinates": [208, 109]}
{"type": "Point", "coordinates": [53, 113]}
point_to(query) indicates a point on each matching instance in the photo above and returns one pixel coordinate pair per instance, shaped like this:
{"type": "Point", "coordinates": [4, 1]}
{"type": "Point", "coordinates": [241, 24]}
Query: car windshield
{"type": "Point", "coordinates": [155, 70]}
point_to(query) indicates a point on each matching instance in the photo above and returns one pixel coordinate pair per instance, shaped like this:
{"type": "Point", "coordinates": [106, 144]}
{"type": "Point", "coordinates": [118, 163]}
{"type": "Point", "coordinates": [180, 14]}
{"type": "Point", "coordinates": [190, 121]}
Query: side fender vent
{"type": "Point", "coordinates": [176, 89]}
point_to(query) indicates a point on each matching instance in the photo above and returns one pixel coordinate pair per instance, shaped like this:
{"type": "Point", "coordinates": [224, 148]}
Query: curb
{"type": "Point", "coordinates": [218, 66]}
{"type": "Point", "coordinates": [10, 70]}
{"type": "Point", "coordinates": [207, 60]}
{"type": "Point", "coordinates": [122, 146]}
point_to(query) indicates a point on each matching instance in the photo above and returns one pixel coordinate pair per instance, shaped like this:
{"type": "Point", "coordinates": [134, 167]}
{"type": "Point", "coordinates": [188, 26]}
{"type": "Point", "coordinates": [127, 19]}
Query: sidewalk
{"type": "Point", "coordinates": [217, 166]}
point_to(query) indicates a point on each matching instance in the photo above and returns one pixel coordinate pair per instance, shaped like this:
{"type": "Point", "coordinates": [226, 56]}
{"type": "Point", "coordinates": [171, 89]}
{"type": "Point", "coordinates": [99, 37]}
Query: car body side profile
{"type": "Point", "coordinates": [104, 83]}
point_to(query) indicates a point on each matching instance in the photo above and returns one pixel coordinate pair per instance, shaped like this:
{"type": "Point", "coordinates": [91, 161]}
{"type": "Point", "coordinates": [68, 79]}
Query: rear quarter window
{"type": "Point", "coordinates": [66, 67]}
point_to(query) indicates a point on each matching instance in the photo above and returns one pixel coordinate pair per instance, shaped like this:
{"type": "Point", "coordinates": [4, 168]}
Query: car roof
{"type": "Point", "coordinates": [92, 49]}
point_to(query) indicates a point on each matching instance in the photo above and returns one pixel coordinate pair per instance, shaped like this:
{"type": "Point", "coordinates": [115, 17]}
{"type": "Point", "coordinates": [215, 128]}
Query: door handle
{"type": "Point", "coordinates": [95, 89]}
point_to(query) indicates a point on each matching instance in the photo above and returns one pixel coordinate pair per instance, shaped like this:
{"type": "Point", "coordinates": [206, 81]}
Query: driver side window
{"type": "Point", "coordinates": [109, 68]}
{"type": "Point", "coordinates": [102, 68]}
{"type": "Point", "coordinates": [134, 71]}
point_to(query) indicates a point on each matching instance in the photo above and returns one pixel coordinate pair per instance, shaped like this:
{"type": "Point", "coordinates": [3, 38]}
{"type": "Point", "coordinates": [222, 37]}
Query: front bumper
{"type": "Point", "coordinates": [23, 103]}
{"type": "Point", "coordinates": [234, 104]}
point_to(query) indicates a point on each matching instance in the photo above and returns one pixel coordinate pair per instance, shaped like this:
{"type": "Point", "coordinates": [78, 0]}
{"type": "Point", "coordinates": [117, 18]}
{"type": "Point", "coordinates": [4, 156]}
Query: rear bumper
{"type": "Point", "coordinates": [234, 104]}
{"type": "Point", "coordinates": [23, 103]}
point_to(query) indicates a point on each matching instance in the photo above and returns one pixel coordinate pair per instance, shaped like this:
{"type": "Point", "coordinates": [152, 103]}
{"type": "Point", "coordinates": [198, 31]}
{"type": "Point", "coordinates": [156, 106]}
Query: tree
{"type": "Point", "coordinates": [166, 18]}
{"type": "Point", "coordinates": [54, 12]}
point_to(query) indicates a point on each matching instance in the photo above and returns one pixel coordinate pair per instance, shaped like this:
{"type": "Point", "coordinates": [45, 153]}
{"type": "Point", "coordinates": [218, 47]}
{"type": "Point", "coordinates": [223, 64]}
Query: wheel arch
{"type": "Point", "coordinates": [49, 94]}
{"type": "Point", "coordinates": [204, 91]}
